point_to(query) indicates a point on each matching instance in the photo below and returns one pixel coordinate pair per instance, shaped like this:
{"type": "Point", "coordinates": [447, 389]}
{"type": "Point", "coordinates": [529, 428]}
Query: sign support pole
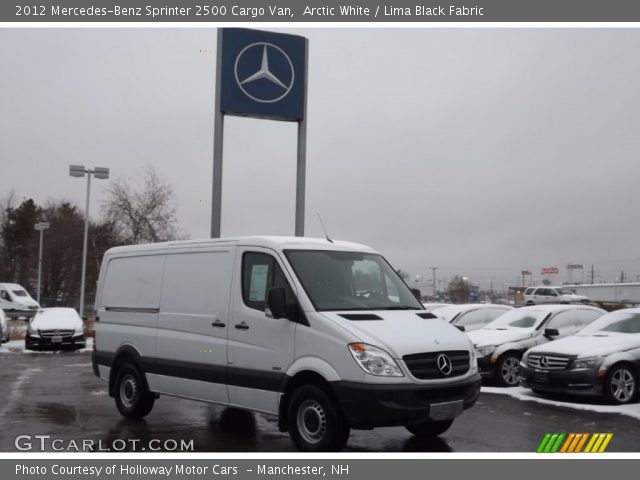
{"type": "Point", "coordinates": [302, 153]}
{"type": "Point", "coordinates": [218, 138]}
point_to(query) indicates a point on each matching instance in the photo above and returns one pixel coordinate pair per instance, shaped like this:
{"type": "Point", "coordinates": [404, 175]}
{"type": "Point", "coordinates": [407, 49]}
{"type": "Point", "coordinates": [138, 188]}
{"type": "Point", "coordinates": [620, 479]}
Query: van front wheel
{"type": "Point", "coordinates": [315, 423]}
{"type": "Point", "coordinates": [430, 429]}
{"type": "Point", "coordinates": [133, 399]}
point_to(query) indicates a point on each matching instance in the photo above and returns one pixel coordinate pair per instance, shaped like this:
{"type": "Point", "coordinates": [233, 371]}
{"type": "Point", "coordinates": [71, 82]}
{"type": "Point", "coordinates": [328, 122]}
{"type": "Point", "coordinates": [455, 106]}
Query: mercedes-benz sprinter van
{"type": "Point", "coordinates": [325, 335]}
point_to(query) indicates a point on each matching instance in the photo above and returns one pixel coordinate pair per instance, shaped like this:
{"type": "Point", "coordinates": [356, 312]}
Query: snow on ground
{"type": "Point", "coordinates": [17, 346]}
{"type": "Point", "coordinates": [579, 403]}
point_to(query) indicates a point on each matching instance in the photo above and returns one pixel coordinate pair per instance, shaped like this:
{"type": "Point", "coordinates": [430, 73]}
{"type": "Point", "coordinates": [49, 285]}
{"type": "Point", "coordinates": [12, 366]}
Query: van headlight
{"type": "Point", "coordinates": [486, 350]}
{"type": "Point", "coordinates": [588, 362]}
{"type": "Point", "coordinates": [374, 360]}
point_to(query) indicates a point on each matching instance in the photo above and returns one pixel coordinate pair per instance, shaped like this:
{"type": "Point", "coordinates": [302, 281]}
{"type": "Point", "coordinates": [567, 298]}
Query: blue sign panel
{"type": "Point", "coordinates": [263, 74]}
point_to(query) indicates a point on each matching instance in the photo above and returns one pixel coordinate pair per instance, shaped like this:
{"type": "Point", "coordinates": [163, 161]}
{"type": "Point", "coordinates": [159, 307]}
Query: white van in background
{"type": "Point", "coordinates": [324, 335]}
{"type": "Point", "coordinates": [14, 299]}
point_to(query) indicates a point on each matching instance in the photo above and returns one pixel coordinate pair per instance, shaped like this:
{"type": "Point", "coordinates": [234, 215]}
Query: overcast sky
{"type": "Point", "coordinates": [481, 151]}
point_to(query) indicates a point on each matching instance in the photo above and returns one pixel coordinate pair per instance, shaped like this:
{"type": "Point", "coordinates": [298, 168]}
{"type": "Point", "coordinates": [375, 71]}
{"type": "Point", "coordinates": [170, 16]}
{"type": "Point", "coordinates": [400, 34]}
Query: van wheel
{"type": "Point", "coordinates": [315, 422]}
{"type": "Point", "coordinates": [430, 429]}
{"type": "Point", "coordinates": [621, 385]}
{"type": "Point", "coordinates": [507, 373]}
{"type": "Point", "coordinates": [133, 399]}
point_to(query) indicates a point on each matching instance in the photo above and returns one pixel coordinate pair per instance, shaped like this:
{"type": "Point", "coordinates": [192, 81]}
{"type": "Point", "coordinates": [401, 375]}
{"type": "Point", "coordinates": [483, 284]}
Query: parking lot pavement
{"type": "Point", "coordinates": [57, 394]}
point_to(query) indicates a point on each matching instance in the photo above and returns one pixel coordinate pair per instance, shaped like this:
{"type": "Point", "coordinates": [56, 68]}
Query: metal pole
{"type": "Point", "coordinates": [218, 137]}
{"type": "Point", "coordinates": [84, 244]}
{"type": "Point", "coordinates": [39, 267]}
{"type": "Point", "coordinates": [302, 153]}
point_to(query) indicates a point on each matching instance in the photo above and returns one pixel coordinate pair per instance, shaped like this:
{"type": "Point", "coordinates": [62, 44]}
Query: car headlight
{"type": "Point", "coordinates": [77, 332]}
{"type": "Point", "coordinates": [32, 332]}
{"type": "Point", "coordinates": [589, 362]}
{"type": "Point", "coordinates": [484, 351]}
{"type": "Point", "coordinates": [374, 360]}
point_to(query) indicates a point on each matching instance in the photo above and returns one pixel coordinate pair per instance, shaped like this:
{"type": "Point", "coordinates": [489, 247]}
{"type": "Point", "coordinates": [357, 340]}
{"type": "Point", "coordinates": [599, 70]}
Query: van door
{"type": "Point", "coordinates": [193, 323]}
{"type": "Point", "coordinates": [260, 348]}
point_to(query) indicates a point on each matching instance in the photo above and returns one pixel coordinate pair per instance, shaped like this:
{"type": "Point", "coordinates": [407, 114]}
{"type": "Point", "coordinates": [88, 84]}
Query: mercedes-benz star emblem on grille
{"type": "Point", "coordinates": [282, 79]}
{"type": "Point", "coordinates": [543, 361]}
{"type": "Point", "coordinates": [444, 364]}
{"type": "Point", "coordinates": [56, 333]}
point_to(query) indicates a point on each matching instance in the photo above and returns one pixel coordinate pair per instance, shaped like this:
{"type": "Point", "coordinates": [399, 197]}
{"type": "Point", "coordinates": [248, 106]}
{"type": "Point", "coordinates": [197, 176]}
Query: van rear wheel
{"type": "Point", "coordinates": [430, 429]}
{"type": "Point", "coordinates": [315, 421]}
{"type": "Point", "coordinates": [133, 399]}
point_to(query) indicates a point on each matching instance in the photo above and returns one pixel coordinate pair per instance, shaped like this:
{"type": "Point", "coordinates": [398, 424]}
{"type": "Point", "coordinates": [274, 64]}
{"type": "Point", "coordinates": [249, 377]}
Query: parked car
{"type": "Point", "coordinates": [4, 328]}
{"type": "Point", "coordinates": [602, 359]}
{"type": "Point", "coordinates": [500, 344]}
{"type": "Point", "coordinates": [471, 316]}
{"type": "Point", "coordinates": [55, 328]}
{"type": "Point", "coordinates": [322, 334]}
{"type": "Point", "coordinates": [539, 295]}
{"type": "Point", "coordinates": [16, 300]}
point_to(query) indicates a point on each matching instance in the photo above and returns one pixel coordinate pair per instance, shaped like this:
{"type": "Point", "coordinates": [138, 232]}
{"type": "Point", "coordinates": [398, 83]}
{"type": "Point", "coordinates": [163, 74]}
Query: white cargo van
{"type": "Point", "coordinates": [16, 300]}
{"type": "Point", "coordinates": [324, 335]}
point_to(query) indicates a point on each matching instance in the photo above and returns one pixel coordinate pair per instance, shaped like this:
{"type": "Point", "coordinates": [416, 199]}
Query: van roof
{"type": "Point", "coordinates": [274, 242]}
{"type": "Point", "coordinates": [12, 285]}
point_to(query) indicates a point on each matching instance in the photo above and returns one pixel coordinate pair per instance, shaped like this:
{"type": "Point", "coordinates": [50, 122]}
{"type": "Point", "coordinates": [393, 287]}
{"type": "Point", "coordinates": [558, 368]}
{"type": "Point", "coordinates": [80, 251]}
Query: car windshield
{"type": "Point", "coordinates": [336, 280]}
{"type": "Point", "coordinates": [518, 319]}
{"type": "Point", "coordinates": [615, 322]}
{"type": "Point", "coordinates": [20, 293]}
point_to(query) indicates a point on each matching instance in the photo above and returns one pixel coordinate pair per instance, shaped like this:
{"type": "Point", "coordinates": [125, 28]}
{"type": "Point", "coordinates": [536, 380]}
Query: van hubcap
{"type": "Point", "coordinates": [128, 391]}
{"type": "Point", "coordinates": [623, 385]}
{"type": "Point", "coordinates": [510, 371]}
{"type": "Point", "coordinates": [312, 421]}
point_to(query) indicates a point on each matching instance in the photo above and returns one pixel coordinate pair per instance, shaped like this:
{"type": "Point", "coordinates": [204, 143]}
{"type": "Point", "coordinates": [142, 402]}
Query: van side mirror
{"type": "Point", "coordinates": [276, 303]}
{"type": "Point", "coordinates": [551, 332]}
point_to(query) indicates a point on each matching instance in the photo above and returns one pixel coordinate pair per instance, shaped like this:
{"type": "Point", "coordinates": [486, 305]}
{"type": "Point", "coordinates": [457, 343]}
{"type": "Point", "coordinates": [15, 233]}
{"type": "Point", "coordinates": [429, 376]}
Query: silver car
{"type": "Point", "coordinates": [4, 327]}
{"type": "Point", "coordinates": [500, 344]}
{"type": "Point", "coordinates": [602, 359]}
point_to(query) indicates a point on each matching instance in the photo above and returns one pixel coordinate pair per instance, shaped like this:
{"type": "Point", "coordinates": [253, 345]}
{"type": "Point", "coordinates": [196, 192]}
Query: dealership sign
{"type": "Point", "coordinates": [263, 74]}
{"type": "Point", "coordinates": [550, 271]}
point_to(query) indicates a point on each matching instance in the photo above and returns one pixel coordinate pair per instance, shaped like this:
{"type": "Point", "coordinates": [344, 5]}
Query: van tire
{"type": "Point", "coordinates": [315, 421]}
{"type": "Point", "coordinates": [430, 429]}
{"type": "Point", "coordinates": [133, 398]}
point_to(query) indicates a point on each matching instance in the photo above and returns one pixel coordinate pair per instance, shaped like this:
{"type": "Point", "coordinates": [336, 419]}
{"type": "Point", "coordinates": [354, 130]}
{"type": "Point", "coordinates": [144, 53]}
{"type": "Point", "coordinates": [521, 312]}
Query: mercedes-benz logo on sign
{"type": "Point", "coordinates": [543, 361]}
{"type": "Point", "coordinates": [264, 72]}
{"type": "Point", "coordinates": [444, 364]}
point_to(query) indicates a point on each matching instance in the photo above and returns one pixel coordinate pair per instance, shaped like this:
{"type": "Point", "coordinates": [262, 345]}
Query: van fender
{"type": "Point", "coordinates": [123, 353]}
{"type": "Point", "coordinates": [316, 365]}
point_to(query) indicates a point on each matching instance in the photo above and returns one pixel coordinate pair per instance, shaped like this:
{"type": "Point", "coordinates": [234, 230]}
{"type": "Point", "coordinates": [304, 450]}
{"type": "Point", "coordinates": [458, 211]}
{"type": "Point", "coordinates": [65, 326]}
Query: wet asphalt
{"type": "Point", "coordinates": [57, 394]}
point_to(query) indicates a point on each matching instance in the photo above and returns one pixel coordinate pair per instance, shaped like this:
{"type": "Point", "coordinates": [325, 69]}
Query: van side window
{"type": "Point", "coordinates": [260, 272]}
{"type": "Point", "coordinates": [5, 295]}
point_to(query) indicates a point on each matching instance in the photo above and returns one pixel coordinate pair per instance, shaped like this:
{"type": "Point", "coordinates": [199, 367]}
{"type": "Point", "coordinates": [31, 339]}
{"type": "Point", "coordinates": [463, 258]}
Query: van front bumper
{"type": "Point", "coordinates": [577, 382]}
{"type": "Point", "coordinates": [368, 405]}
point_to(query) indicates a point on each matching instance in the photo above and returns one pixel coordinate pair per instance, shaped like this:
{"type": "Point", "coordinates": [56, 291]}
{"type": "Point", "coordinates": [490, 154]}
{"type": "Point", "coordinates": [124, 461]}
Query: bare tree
{"type": "Point", "coordinates": [143, 210]}
{"type": "Point", "coordinates": [458, 290]}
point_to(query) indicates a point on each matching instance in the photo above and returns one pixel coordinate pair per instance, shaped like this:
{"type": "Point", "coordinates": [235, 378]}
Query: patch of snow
{"type": "Point", "coordinates": [527, 395]}
{"type": "Point", "coordinates": [17, 346]}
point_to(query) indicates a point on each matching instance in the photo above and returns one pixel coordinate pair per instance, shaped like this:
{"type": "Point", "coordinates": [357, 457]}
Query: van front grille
{"type": "Point", "coordinates": [424, 366]}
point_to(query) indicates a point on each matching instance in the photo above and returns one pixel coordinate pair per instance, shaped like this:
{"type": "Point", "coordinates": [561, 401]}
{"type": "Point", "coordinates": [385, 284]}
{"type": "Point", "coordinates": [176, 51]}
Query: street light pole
{"type": "Point", "coordinates": [434, 279]}
{"type": "Point", "coordinates": [80, 171]}
{"type": "Point", "coordinates": [41, 227]}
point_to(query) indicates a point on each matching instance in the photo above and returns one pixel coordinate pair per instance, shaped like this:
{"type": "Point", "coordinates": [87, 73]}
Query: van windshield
{"type": "Point", "coordinates": [337, 280]}
{"type": "Point", "coordinates": [20, 293]}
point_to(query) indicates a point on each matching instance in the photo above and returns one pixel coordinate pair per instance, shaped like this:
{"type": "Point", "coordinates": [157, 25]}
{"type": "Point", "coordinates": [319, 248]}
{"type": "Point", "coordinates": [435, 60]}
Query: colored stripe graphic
{"type": "Point", "coordinates": [574, 442]}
